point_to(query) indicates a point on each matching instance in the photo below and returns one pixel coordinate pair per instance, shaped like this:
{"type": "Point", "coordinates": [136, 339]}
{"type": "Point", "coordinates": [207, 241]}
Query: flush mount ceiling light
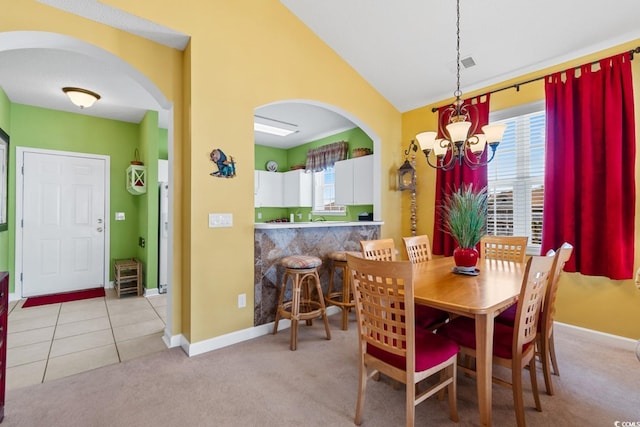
{"type": "Point", "coordinates": [83, 98]}
{"type": "Point", "coordinates": [272, 126]}
{"type": "Point", "coordinates": [460, 143]}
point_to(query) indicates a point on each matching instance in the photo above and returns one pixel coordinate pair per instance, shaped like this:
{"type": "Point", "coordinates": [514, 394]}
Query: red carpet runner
{"type": "Point", "coordinates": [65, 297]}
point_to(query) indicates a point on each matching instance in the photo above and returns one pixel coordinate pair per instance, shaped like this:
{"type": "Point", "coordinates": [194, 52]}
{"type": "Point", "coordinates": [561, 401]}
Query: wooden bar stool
{"type": "Point", "coordinates": [301, 269]}
{"type": "Point", "coordinates": [342, 298]}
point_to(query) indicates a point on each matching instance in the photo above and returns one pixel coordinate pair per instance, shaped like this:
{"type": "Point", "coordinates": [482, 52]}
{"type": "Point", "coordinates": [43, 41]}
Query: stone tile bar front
{"type": "Point", "coordinates": [275, 241]}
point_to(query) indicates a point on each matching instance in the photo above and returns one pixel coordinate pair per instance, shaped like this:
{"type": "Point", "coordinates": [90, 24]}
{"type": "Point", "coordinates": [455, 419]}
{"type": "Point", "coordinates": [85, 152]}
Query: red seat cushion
{"type": "Point", "coordinates": [463, 331]}
{"type": "Point", "coordinates": [430, 349]}
{"type": "Point", "coordinates": [508, 317]}
{"type": "Point", "coordinates": [429, 316]}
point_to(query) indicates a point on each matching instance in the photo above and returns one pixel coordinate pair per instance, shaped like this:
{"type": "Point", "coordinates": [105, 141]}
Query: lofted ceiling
{"type": "Point", "coordinates": [405, 49]}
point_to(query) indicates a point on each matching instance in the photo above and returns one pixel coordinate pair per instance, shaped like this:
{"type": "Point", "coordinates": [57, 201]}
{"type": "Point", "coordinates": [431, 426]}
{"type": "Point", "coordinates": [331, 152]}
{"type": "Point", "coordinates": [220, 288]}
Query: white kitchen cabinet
{"type": "Point", "coordinates": [268, 189]}
{"type": "Point", "coordinates": [297, 189]}
{"type": "Point", "coordinates": [354, 181]}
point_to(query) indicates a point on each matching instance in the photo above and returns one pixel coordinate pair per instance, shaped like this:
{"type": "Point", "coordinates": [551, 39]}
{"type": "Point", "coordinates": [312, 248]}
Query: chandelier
{"type": "Point", "coordinates": [460, 143]}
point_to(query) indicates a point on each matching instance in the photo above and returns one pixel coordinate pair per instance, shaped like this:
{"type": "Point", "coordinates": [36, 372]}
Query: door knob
{"type": "Point", "coordinates": [99, 229]}
{"type": "Point", "coordinates": [99, 220]}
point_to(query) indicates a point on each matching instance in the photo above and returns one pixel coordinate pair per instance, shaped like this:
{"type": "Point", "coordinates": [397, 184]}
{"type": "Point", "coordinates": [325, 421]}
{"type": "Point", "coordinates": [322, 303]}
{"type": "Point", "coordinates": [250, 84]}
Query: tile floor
{"type": "Point", "coordinates": [58, 340]}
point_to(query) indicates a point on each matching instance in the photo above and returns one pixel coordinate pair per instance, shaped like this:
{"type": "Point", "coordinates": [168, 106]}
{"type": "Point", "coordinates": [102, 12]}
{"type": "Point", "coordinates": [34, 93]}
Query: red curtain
{"type": "Point", "coordinates": [589, 189]}
{"type": "Point", "coordinates": [447, 181]}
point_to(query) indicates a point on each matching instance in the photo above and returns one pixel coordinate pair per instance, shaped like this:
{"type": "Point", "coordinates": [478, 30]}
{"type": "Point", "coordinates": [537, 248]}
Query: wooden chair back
{"type": "Point", "coordinates": [536, 279]}
{"type": "Point", "coordinates": [504, 248]}
{"type": "Point", "coordinates": [378, 250]}
{"type": "Point", "coordinates": [549, 308]}
{"type": "Point", "coordinates": [418, 248]}
{"type": "Point", "coordinates": [383, 296]}
{"type": "Point", "coordinates": [385, 320]}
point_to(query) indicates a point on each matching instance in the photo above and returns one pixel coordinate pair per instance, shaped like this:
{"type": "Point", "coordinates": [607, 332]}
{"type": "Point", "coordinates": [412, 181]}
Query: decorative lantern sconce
{"type": "Point", "coordinates": [137, 179]}
{"type": "Point", "coordinates": [137, 176]}
{"type": "Point", "coordinates": [406, 172]}
{"type": "Point", "coordinates": [406, 177]}
{"type": "Point", "coordinates": [407, 181]}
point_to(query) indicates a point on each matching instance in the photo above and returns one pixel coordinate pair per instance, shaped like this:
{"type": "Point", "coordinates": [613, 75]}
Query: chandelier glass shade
{"type": "Point", "coordinates": [460, 144]}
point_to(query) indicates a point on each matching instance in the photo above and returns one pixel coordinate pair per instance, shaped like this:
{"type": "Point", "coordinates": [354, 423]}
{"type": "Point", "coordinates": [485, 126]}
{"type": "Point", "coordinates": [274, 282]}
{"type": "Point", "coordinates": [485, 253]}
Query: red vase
{"type": "Point", "coordinates": [465, 258]}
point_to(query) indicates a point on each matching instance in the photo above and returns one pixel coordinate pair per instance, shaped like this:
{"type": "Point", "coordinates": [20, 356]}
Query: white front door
{"type": "Point", "coordinates": [63, 228]}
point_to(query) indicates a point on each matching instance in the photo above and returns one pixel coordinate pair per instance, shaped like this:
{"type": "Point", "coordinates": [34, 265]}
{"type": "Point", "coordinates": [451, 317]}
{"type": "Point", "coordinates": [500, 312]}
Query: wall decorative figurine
{"type": "Point", "coordinates": [226, 167]}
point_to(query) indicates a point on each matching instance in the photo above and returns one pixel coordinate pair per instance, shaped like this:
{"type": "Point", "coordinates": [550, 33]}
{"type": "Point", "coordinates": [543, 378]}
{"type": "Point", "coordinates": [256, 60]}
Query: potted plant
{"type": "Point", "coordinates": [465, 219]}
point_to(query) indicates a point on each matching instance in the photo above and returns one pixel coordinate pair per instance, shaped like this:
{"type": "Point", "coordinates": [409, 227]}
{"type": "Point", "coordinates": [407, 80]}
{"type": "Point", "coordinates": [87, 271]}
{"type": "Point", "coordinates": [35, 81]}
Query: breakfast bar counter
{"type": "Point", "coordinates": [273, 241]}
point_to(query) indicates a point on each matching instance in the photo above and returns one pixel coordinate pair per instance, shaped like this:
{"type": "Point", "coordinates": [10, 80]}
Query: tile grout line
{"type": "Point", "coordinates": [113, 335]}
{"type": "Point", "coordinates": [55, 327]}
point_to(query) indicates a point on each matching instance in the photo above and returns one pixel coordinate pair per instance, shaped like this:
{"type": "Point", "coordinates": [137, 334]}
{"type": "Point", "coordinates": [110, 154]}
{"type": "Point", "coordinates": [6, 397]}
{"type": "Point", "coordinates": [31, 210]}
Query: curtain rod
{"type": "Point", "coordinates": [516, 86]}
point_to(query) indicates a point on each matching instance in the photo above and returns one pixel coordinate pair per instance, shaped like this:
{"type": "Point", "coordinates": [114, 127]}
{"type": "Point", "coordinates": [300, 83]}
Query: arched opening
{"type": "Point", "coordinates": [36, 65]}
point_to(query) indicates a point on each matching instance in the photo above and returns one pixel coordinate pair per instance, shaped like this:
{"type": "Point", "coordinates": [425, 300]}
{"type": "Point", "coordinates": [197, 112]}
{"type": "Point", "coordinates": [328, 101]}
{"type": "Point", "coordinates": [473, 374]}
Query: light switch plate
{"type": "Point", "coordinates": [220, 220]}
{"type": "Point", "coordinates": [119, 216]}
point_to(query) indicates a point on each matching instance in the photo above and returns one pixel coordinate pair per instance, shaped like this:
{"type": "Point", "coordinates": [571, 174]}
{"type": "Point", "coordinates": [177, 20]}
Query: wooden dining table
{"type": "Point", "coordinates": [481, 297]}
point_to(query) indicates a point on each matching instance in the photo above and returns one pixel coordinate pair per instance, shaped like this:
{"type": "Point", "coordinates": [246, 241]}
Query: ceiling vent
{"type": "Point", "coordinates": [467, 62]}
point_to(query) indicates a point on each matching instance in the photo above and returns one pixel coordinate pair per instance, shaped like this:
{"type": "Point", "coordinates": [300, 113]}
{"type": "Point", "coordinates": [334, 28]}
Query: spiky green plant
{"type": "Point", "coordinates": [465, 215]}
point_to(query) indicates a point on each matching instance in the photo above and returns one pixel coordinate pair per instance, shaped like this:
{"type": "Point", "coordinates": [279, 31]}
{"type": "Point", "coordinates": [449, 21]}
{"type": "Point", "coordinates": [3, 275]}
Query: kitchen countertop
{"type": "Point", "coordinates": [314, 224]}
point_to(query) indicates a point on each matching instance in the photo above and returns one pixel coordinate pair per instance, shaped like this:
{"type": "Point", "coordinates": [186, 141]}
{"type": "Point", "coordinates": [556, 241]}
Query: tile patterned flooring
{"type": "Point", "coordinates": [58, 340]}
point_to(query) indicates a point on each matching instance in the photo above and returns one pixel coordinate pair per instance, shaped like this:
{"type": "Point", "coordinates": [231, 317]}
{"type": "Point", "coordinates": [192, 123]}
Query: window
{"type": "Point", "coordinates": [324, 193]}
{"type": "Point", "coordinates": [516, 176]}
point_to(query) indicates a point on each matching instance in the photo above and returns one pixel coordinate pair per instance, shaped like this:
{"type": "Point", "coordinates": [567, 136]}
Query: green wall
{"type": "Point", "coordinates": [163, 144]}
{"type": "Point", "coordinates": [298, 155]}
{"type": "Point", "coordinates": [64, 131]}
{"type": "Point", "coordinates": [148, 205]}
{"type": "Point", "coordinates": [5, 109]}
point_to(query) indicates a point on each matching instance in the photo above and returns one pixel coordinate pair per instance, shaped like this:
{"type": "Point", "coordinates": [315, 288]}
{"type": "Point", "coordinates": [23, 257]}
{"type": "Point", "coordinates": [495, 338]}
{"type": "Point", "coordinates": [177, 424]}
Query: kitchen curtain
{"type": "Point", "coordinates": [589, 189]}
{"type": "Point", "coordinates": [320, 158]}
{"type": "Point", "coordinates": [448, 181]}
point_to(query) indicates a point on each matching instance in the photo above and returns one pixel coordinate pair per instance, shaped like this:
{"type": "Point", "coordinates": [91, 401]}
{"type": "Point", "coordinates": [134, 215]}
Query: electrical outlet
{"type": "Point", "coordinates": [299, 216]}
{"type": "Point", "coordinates": [259, 215]}
{"type": "Point", "coordinates": [242, 300]}
{"type": "Point", "coordinates": [141, 242]}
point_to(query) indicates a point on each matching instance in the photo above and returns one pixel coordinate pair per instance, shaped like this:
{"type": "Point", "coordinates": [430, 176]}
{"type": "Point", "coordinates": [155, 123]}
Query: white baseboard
{"type": "Point", "coordinates": [172, 341]}
{"type": "Point", "coordinates": [602, 338]}
{"type": "Point", "coordinates": [151, 292]}
{"type": "Point", "coordinates": [193, 349]}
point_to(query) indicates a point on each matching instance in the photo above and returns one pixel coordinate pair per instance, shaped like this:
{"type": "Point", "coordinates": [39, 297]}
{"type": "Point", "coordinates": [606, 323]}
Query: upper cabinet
{"type": "Point", "coordinates": [354, 181]}
{"type": "Point", "coordinates": [268, 189]}
{"type": "Point", "coordinates": [297, 189]}
{"type": "Point", "coordinates": [282, 190]}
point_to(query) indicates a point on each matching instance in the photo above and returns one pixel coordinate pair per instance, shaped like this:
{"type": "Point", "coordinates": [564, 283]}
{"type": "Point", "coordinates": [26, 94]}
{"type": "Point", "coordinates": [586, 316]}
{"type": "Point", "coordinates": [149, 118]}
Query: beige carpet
{"type": "Point", "coordinates": [262, 383]}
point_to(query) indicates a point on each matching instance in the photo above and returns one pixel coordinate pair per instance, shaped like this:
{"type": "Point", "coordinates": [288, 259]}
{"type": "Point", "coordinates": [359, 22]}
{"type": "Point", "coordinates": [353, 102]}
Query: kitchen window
{"type": "Point", "coordinates": [324, 193]}
{"type": "Point", "coordinates": [516, 176]}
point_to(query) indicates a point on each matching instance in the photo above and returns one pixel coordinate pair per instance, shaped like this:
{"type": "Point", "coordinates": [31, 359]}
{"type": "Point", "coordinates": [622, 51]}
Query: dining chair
{"type": "Point", "coordinates": [379, 250]}
{"type": "Point", "coordinates": [384, 250]}
{"type": "Point", "coordinates": [513, 346]}
{"type": "Point", "coordinates": [545, 346]}
{"type": "Point", "coordinates": [419, 251]}
{"type": "Point", "coordinates": [504, 248]}
{"type": "Point", "coordinates": [389, 342]}
{"type": "Point", "coordinates": [418, 248]}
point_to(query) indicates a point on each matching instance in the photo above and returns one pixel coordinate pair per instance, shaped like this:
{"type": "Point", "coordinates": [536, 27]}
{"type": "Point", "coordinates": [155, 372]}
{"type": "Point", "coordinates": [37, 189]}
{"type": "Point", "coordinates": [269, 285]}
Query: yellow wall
{"type": "Point", "coordinates": [244, 54]}
{"type": "Point", "coordinates": [590, 302]}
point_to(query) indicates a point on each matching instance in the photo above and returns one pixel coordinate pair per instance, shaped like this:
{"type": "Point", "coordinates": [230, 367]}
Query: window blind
{"type": "Point", "coordinates": [516, 177]}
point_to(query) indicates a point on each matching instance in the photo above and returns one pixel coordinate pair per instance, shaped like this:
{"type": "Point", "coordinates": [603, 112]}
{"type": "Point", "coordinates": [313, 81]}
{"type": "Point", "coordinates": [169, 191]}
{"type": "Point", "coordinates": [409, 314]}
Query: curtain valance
{"type": "Point", "coordinates": [322, 157]}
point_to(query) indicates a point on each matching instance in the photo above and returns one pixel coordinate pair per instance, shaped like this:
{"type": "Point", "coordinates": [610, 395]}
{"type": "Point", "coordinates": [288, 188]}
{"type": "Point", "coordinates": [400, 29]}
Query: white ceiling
{"type": "Point", "coordinates": [405, 49]}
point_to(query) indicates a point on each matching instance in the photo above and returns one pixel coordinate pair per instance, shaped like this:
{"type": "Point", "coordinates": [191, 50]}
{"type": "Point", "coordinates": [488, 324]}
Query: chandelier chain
{"type": "Point", "coordinates": [458, 93]}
